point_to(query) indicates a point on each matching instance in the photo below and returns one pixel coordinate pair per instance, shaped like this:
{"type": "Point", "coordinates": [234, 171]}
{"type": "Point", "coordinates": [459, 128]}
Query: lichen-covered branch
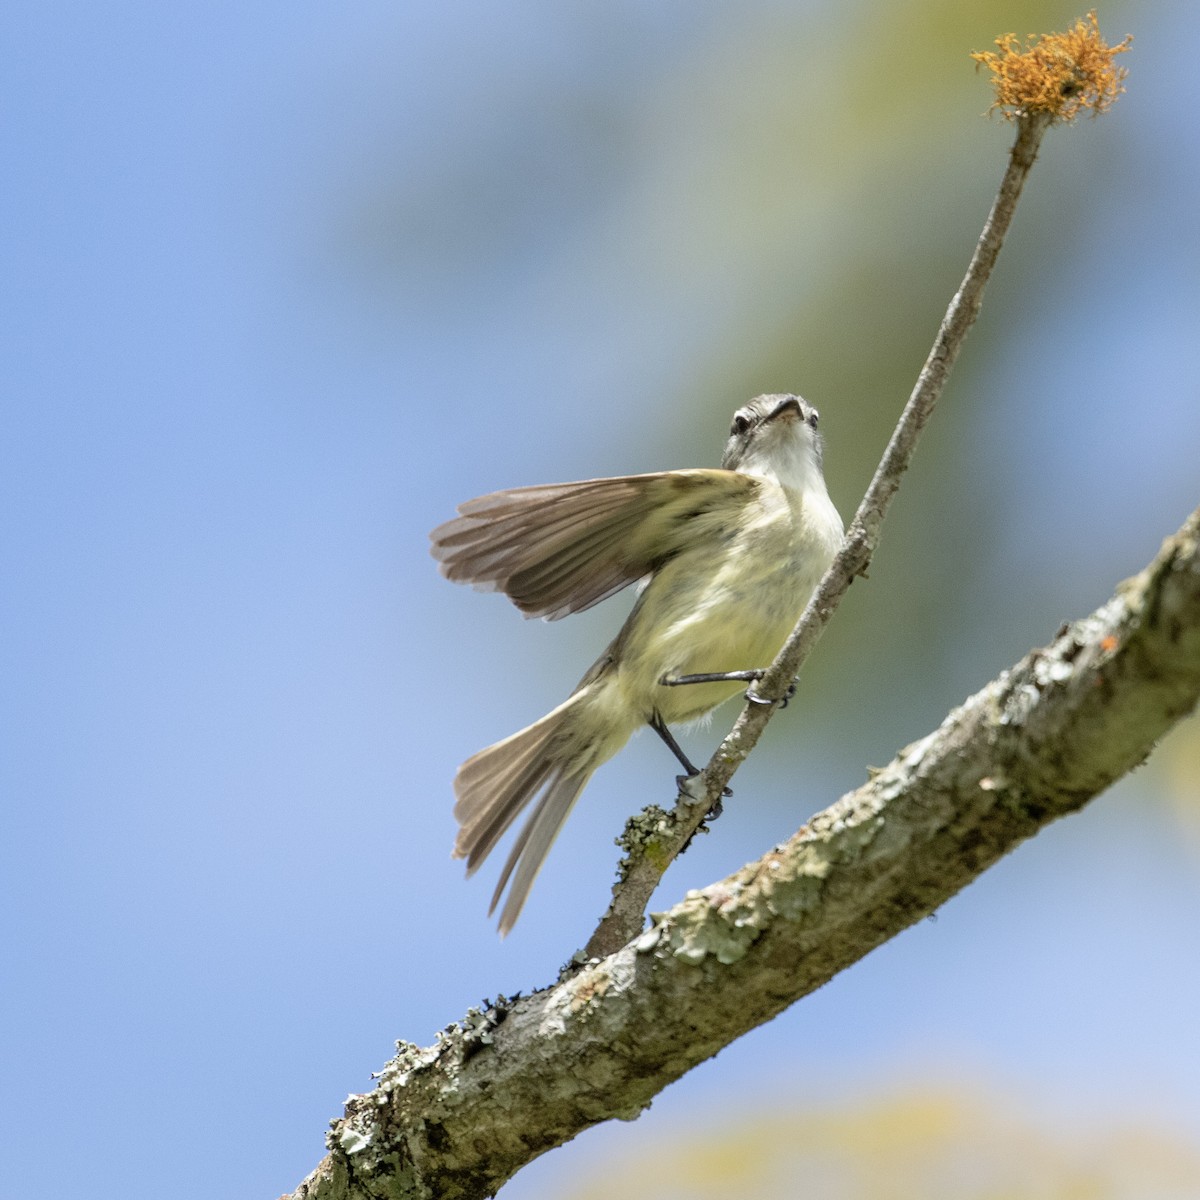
{"type": "Point", "coordinates": [459, 1118]}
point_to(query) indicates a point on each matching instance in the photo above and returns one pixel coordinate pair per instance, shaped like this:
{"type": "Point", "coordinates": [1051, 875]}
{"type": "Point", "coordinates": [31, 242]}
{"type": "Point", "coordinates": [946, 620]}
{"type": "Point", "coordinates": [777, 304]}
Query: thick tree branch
{"type": "Point", "coordinates": [459, 1118]}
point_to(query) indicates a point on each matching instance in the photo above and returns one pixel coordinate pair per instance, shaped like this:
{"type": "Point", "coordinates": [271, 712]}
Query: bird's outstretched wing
{"type": "Point", "coordinates": [559, 548]}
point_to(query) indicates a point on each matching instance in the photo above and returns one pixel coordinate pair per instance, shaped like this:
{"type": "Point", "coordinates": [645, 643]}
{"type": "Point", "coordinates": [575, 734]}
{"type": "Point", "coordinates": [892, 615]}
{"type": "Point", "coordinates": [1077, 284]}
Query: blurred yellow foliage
{"type": "Point", "coordinates": [934, 1144]}
{"type": "Point", "coordinates": [1178, 764]}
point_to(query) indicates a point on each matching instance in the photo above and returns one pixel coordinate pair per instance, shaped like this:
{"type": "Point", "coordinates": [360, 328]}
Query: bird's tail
{"type": "Point", "coordinates": [494, 786]}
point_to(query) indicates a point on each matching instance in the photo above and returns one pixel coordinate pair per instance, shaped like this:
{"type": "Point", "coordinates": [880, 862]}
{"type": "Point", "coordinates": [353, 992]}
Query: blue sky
{"type": "Point", "coordinates": [281, 288]}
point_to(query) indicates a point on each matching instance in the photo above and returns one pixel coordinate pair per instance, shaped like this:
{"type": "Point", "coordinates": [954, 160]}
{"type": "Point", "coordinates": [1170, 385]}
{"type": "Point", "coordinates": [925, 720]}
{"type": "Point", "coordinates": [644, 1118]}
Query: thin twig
{"type": "Point", "coordinates": [648, 856]}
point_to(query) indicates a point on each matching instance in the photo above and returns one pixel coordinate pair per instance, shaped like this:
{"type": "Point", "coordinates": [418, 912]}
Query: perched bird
{"type": "Point", "coordinates": [729, 558]}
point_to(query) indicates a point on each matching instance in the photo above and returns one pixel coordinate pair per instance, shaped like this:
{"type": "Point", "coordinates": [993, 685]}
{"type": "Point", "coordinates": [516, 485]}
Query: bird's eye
{"type": "Point", "coordinates": [813, 417]}
{"type": "Point", "coordinates": [741, 423]}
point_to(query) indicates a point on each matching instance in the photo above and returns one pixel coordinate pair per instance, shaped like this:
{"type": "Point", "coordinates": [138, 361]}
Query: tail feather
{"type": "Point", "coordinates": [496, 785]}
{"type": "Point", "coordinates": [492, 825]}
{"type": "Point", "coordinates": [533, 844]}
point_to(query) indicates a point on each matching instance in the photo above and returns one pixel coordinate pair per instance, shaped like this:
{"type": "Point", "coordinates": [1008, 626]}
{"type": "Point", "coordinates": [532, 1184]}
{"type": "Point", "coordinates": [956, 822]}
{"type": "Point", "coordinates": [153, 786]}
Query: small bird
{"type": "Point", "coordinates": [729, 558]}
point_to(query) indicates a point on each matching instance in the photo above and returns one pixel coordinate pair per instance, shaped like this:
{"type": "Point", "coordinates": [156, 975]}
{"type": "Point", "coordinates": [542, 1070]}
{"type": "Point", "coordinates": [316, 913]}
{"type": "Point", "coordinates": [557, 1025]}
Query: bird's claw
{"type": "Point", "coordinates": [682, 781]}
{"type": "Point", "coordinates": [754, 698]}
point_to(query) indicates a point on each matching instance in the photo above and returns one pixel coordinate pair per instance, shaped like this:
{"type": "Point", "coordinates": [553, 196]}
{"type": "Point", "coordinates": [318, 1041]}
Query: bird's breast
{"type": "Point", "coordinates": [724, 605]}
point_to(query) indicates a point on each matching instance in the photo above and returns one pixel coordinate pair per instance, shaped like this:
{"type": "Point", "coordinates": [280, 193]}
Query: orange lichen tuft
{"type": "Point", "coordinates": [1060, 74]}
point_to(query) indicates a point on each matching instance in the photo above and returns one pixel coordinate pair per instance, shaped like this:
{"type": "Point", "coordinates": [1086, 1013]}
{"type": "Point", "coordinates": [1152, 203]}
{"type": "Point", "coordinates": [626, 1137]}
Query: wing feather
{"type": "Point", "coordinates": [553, 582]}
{"type": "Point", "coordinates": [559, 548]}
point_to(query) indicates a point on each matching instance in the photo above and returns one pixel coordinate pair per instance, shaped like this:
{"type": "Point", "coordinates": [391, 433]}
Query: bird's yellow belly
{"type": "Point", "coordinates": [733, 621]}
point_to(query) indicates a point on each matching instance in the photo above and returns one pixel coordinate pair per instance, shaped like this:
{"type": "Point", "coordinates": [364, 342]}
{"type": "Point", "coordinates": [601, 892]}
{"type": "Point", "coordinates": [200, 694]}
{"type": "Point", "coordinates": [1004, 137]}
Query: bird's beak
{"type": "Point", "coordinates": [788, 406]}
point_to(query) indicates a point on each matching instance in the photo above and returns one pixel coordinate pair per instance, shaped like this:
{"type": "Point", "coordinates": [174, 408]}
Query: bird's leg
{"type": "Point", "coordinates": [751, 676]}
{"type": "Point", "coordinates": [660, 727]}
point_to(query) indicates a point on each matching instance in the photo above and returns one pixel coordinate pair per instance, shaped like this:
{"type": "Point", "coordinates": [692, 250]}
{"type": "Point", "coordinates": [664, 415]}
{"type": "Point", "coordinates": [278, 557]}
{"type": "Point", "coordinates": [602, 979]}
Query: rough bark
{"type": "Point", "coordinates": [459, 1118]}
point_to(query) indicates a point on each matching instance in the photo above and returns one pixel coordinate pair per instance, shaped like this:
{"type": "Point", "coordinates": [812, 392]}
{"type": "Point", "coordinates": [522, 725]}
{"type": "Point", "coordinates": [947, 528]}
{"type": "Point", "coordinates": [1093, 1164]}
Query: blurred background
{"type": "Point", "coordinates": [282, 286]}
